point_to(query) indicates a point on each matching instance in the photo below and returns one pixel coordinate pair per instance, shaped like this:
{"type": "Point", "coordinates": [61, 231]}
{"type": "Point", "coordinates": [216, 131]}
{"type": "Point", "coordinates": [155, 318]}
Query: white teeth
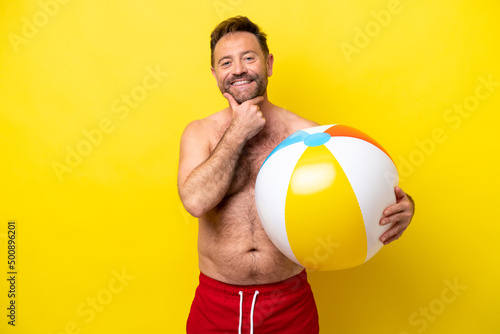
{"type": "Point", "coordinates": [240, 82]}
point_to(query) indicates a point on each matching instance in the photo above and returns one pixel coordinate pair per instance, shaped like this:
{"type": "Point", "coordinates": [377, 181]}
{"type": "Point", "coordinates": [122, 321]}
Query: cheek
{"type": "Point", "coordinates": [221, 78]}
{"type": "Point", "coordinates": [261, 71]}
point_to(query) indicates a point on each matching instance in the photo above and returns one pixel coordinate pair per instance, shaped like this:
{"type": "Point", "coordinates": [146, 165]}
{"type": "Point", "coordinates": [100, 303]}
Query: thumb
{"type": "Point", "coordinates": [400, 194]}
{"type": "Point", "coordinates": [231, 100]}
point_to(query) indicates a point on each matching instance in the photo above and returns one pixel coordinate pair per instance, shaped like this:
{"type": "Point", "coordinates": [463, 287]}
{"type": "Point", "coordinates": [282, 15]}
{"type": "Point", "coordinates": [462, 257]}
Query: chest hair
{"type": "Point", "coordinates": [254, 153]}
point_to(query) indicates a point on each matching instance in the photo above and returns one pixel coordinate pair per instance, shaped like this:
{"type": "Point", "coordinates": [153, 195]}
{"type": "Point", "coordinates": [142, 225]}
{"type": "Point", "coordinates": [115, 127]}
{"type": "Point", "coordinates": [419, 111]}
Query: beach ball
{"type": "Point", "coordinates": [321, 193]}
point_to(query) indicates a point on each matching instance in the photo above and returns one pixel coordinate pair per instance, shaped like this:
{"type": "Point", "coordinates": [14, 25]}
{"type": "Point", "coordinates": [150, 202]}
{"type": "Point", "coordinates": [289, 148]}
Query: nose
{"type": "Point", "coordinates": [239, 68]}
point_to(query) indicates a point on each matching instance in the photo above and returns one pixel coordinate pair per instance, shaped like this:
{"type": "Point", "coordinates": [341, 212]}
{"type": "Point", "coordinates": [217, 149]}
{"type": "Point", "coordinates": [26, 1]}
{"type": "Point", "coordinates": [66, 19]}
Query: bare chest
{"type": "Point", "coordinates": [252, 157]}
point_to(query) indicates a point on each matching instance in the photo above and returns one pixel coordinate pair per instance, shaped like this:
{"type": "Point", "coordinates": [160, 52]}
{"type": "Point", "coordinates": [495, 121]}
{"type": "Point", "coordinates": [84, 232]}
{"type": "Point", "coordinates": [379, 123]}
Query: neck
{"type": "Point", "coordinates": [266, 106]}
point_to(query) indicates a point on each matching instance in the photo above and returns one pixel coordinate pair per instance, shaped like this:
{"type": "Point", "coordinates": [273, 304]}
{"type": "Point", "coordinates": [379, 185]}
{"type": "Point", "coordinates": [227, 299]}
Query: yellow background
{"type": "Point", "coordinates": [117, 211]}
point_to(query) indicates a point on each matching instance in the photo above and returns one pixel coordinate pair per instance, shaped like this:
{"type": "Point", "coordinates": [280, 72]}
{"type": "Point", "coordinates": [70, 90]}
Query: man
{"type": "Point", "coordinates": [246, 283]}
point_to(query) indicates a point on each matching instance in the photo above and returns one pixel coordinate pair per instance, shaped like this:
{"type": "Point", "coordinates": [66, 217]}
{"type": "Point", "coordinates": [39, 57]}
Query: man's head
{"type": "Point", "coordinates": [240, 58]}
{"type": "Point", "coordinates": [234, 24]}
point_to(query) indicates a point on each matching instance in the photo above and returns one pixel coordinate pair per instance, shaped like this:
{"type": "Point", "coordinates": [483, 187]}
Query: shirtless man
{"type": "Point", "coordinates": [245, 281]}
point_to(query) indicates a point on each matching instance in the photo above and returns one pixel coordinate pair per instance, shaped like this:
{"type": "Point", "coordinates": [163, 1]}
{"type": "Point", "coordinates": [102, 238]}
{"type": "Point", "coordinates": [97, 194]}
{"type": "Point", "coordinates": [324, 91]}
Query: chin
{"type": "Point", "coordinates": [240, 98]}
{"type": "Point", "coordinates": [246, 96]}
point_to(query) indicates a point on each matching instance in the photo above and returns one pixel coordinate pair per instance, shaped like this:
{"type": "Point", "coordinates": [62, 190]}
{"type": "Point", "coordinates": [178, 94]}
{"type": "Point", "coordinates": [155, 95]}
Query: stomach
{"type": "Point", "coordinates": [234, 248]}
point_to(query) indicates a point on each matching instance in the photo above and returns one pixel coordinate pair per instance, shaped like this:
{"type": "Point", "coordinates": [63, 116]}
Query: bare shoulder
{"type": "Point", "coordinates": [206, 129]}
{"type": "Point", "coordinates": [197, 143]}
{"type": "Point", "coordinates": [295, 122]}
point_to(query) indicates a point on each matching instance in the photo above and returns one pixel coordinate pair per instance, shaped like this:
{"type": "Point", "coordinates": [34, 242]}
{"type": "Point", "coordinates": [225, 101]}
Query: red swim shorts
{"type": "Point", "coordinates": [285, 307]}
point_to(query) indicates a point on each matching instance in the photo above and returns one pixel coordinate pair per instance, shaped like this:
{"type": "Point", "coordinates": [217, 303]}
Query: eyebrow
{"type": "Point", "coordinates": [241, 54]}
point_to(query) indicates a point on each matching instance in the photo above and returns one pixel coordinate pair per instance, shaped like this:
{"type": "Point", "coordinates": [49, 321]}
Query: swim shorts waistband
{"type": "Point", "coordinates": [294, 283]}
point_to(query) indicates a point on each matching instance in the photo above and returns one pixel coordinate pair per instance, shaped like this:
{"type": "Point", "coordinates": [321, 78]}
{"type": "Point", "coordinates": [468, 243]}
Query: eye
{"type": "Point", "coordinates": [225, 64]}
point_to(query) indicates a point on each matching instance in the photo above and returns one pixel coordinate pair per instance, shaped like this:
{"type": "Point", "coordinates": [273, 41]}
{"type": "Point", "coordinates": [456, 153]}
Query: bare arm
{"type": "Point", "coordinates": [204, 178]}
{"type": "Point", "coordinates": [205, 185]}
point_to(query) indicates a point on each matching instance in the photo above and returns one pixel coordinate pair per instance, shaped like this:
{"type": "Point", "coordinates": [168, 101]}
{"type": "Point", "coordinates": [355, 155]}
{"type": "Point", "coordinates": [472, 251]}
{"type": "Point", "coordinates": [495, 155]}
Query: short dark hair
{"type": "Point", "coordinates": [233, 24]}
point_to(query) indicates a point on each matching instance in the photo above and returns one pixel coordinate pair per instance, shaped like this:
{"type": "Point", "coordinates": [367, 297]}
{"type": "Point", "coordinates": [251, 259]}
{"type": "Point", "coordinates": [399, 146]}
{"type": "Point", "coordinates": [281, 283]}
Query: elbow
{"type": "Point", "coordinates": [194, 208]}
{"type": "Point", "coordinates": [195, 211]}
{"type": "Point", "coordinates": [195, 202]}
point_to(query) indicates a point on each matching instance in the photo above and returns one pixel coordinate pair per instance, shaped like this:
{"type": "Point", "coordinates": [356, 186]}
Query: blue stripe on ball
{"type": "Point", "coordinates": [294, 138]}
{"type": "Point", "coordinates": [317, 139]}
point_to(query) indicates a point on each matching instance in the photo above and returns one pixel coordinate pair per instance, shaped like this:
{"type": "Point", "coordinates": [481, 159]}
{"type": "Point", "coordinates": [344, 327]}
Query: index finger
{"type": "Point", "coordinates": [256, 100]}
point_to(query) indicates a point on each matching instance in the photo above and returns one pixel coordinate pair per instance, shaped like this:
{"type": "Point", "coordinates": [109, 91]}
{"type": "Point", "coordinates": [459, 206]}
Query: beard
{"type": "Point", "coordinates": [242, 95]}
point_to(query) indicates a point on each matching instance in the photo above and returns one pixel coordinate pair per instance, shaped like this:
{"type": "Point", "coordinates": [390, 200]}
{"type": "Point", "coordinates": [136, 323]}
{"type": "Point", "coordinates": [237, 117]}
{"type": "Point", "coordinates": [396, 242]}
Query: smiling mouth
{"type": "Point", "coordinates": [241, 82]}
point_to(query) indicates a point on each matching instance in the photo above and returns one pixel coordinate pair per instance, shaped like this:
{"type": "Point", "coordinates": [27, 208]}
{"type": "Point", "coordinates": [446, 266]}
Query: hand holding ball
{"type": "Point", "coordinates": [321, 193]}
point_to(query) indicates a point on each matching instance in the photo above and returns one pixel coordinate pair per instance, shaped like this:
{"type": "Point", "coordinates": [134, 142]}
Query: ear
{"type": "Point", "coordinates": [213, 72]}
{"type": "Point", "coordinates": [269, 63]}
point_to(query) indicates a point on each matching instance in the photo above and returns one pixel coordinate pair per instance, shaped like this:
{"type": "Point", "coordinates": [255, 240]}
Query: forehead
{"type": "Point", "coordinates": [235, 42]}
